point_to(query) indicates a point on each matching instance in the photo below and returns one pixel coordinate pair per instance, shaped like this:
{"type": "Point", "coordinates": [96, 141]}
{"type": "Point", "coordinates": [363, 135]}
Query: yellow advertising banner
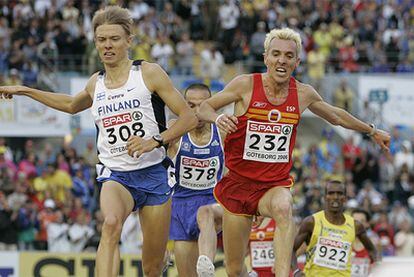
{"type": "Point", "coordinates": [46, 264]}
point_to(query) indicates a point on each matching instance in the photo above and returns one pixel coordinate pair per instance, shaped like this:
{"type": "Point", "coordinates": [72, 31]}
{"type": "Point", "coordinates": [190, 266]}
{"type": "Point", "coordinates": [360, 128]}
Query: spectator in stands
{"type": "Point", "coordinates": [27, 224]}
{"type": "Point", "coordinates": [344, 96]}
{"type": "Point", "coordinates": [16, 55]}
{"type": "Point", "coordinates": [58, 182]}
{"type": "Point", "coordinates": [398, 214]}
{"type": "Point", "coordinates": [212, 63]}
{"type": "Point", "coordinates": [348, 55]}
{"type": "Point", "coordinates": [27, 166]}
{"type": "Point", "coordinates": [404, 239]}
{"type": "Point", "coordinates": [14, 78]}
{"type": "Point", "coordinates": [385, 231]}
{"type": "Point", "coordinates": [4, 57]}
{"type": "Point", "coordinates": [142, 48]}
{"type": "Point", "coordinates": [229, 14]}
{"type": "Point", "coordinates": [8, 172]}
{"type": "Point", "coordinates": [138, 9]}
{"type": "Point", "coordinates": [404, 156]}
{"type": "Point", "coordinates": [184, 57]}
{"type": "Point", "coordinates": [316, 61]}
{"type": "Point", "coordinates": [18, 197]}
{"type": "Point", "coordinates": [8, 225]}
{"type": "Point", "coordinates": [57, 234]}
{"type": "Point", "coordinates": [48, 52]}
{"type": "Point", "coordinates": [350, 151]}
{"type": "Point", "coordinates": [45, 217]}
{"type": "Point", "coordinates": [29, 73]}
{"type": "Point", "coordinates": [79, 233]}
{"type": "Point", "coordinates": [257, 48]}
{"type": "Point", "coordinates": [30, 49]}
{"type": "Point", "coordinates": [403, 188]}
{"type": "Point", "coordinates": [162, 52]}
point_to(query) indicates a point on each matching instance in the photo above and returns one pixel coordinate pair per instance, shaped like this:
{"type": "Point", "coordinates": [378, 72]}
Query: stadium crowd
{"type": "Point", "coordinates": [48, 195]}
{"type": "Point", "coordinates": [39, 37]}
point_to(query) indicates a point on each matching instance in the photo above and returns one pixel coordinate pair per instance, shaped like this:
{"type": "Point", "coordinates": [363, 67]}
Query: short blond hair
{"type": "Point", "coordinates": [285, 34]}
{"type": "Point", "coordinates": [113, 15]}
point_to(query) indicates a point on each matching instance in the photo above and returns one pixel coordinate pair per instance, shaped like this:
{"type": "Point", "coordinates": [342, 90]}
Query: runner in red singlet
{"type": "Point", "coordinates": [361, 262]}
{"type": "Point", "coordinates": [261, 247]}
{"type": "Point", "coordinates": [259, 145]}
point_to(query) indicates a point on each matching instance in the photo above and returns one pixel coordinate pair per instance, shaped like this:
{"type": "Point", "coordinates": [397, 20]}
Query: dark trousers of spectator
{"type": "Point", "coordinates": [40, 245]}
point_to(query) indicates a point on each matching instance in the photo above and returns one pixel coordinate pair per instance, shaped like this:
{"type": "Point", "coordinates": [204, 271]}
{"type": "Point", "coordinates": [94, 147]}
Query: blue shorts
{"type": "Point", "coordinates": [148, 186]}
{"type": "Point", "coordinates": [184, 216]}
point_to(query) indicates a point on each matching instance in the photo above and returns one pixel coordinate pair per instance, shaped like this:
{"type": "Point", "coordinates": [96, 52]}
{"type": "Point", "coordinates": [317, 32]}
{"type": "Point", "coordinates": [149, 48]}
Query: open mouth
{"type": "Point", "coordinates": [335, 204]}
{"type": "Point", "coordinates": [109, 54]}
{"type": "Point", "coordinates": [281, 71]}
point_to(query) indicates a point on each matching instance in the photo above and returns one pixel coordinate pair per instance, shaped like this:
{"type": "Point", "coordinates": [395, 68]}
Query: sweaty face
{"type": "Point", "coordinates": [335, 197]}
{"type": "Point", "coordinates": [281, 59]}
{"type": "Point", "coordinates": [112, 43]}
{"type": "Point", "coordinates": [194, 99]}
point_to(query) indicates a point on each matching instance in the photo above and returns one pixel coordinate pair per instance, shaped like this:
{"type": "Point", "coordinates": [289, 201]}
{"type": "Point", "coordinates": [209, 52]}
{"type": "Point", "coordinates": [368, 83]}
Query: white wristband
{"type": "Point", "coordinates": [296, 271]}
{"type": "Point", "coordinates": [373, 130]}
{"type": "Point", "coordinates": [218, 117]}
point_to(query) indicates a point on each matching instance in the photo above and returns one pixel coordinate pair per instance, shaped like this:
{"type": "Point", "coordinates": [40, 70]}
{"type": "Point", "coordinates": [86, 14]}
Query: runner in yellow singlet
{"type": "Point", "coordinates": [329, 235]}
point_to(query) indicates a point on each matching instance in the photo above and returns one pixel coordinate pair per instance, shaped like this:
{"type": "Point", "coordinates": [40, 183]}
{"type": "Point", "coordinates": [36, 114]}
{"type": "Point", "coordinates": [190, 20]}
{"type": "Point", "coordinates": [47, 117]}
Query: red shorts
{"type": "Point", "coordinates": [241, 196]}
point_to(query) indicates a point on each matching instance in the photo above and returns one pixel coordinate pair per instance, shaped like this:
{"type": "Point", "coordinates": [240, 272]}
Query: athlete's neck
{"type": "Point", "coordinates": [336, 218]}
{"type": "Point", "coordinates": [273, 87]}
{"type": "Point", "coordinates": [115, 74]}
{"type": "Point", "coordinates": [199, 133]}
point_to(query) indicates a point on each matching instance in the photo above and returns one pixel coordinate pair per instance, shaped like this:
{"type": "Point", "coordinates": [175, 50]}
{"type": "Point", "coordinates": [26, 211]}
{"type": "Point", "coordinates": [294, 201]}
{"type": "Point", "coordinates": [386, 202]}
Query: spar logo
{"type": "Point", "coordinates": [265, 128]}
{"type": "Point", "coordinates": [332, 243]}
{"type": "Point", "coordinates": [286, 130]}
{"type": "Point", "coordinates": [213, 162]}
{"type": "Point", "coordinates": [196, 163]}
{"type": "Point", "coordinates": [116, 119]}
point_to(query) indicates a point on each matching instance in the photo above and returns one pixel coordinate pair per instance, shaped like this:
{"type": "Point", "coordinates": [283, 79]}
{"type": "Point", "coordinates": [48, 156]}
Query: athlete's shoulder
{"type": "Point", "coordinates": [303, 87]}
{"type": "Point", "coordinates": [90, 86]}
{"type": "Point", "coordinates": [243, 79]}
{"type": "Point", "coordinates": [150, 68]}
{"type": "Point", "coordinates": [240, 84]}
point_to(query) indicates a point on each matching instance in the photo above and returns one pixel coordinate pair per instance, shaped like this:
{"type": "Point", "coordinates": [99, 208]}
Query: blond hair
{"type": "Point", "coordinates": [285, 34]}
{"type": "Point", "coordinates": [113, 15]}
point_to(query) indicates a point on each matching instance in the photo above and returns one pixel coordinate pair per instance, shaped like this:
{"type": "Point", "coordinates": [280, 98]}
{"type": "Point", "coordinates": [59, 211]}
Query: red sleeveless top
{"type": "Point", "coordinates": [261, 148]}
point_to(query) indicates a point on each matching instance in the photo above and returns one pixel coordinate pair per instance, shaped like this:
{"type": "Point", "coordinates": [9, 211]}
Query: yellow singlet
{"type": "Point", "coordinates": [330, 247]}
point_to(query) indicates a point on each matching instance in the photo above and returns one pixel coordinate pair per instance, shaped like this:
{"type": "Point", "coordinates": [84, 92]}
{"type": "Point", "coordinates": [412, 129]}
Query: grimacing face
{"type": "Point", "coordinates": [112, 43]}
{"type": "Point", "coordinates": [281, 59]}
{"type": "Point", "coordinates": [335, 197]}
{"type": "Point", "coordinates": [194, 98]}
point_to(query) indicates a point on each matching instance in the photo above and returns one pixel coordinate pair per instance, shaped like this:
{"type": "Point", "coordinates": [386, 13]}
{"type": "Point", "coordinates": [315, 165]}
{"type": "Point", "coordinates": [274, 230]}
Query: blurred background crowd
{"type": "Point", "coordinates": [48, 193]}
{"type": "Point", "coordinates": [205, 37]}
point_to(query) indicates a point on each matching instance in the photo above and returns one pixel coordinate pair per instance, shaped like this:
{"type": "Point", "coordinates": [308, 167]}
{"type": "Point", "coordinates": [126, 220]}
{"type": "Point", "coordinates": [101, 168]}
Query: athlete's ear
{"type": "Point", "coordinates": [130, 39]}
{"type": "Point", "coordinates": [297, 63]}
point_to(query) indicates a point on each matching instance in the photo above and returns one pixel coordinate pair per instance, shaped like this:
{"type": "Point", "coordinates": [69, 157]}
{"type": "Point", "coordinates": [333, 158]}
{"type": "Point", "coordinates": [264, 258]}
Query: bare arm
{"type": "Point", "coordinates": [58, 101]}
{"type": "Point", "coordinates": [232, 93]}
{"type": "Point", "coordinates": [157, 81]}
{"type": "Point", "coordinates": [366, 241]}
{"type": "Point", "coordinates": [338, 116]}
{"type": "Point", "coordinates": [304, 235]}
{"type": "Point", "coordinates": [173, 145]}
